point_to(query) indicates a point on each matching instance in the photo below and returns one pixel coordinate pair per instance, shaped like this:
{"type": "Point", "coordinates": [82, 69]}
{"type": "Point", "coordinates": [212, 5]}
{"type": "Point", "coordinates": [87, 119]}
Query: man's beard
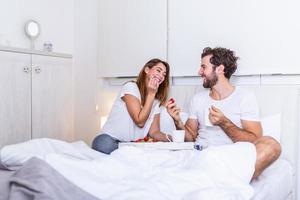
{"type": "Point", "coordinates": [210, 80]}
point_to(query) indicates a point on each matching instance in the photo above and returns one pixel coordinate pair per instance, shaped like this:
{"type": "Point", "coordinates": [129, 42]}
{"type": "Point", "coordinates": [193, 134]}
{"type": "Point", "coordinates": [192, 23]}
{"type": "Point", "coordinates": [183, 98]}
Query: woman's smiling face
{"type": "Point", "coordinates": [158, 72]}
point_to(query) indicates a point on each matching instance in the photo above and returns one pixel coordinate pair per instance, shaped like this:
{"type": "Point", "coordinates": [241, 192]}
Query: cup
{"type": "Point", "coordinates": [178, 135]}
{"type": "Point", "coordinates": [206, 118]}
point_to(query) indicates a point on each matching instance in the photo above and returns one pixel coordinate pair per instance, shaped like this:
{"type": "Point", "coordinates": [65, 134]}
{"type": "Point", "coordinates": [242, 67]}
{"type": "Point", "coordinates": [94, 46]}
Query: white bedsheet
{"type": "Point", "coordinates": [275, 183]}
{"type": "Point", "coordinates": [133, 173]}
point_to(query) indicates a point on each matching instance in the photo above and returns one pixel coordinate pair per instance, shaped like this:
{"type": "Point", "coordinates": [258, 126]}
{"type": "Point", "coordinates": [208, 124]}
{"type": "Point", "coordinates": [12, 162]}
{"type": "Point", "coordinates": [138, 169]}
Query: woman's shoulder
{"type": "Point", "coordinates": [130, 88]}
{"type": "Point", "coordinates": [130, 84]}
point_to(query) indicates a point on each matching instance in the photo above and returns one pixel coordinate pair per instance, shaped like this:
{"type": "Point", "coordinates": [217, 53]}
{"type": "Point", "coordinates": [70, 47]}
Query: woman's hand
{"type": "Point", "coordinates": [155, 132]}
{"type": "Point", "coordinates": [173, 110]}
{"type": "Point", "coordinates": [152, 86]}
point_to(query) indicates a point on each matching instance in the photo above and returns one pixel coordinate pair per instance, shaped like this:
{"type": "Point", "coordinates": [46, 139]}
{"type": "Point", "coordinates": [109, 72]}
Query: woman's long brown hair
{"type": "Point", "coordinates": [163, 89]}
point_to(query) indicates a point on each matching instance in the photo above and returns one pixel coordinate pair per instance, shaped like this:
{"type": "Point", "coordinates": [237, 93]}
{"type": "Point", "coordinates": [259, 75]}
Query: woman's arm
{"type": "Point", "coordinates": [137, 112]}
{"type": "Point", "coordinates": [155, 132]}
{"type": "Point", "coordinates": [191, 126]}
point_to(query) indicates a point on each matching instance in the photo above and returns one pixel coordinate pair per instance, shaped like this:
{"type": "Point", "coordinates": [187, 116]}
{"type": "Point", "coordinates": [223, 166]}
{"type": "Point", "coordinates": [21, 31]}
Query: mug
{"type": "Point", "coordinates": [177, 136]}
{"type": "Point", "coordinates": [206, 118]}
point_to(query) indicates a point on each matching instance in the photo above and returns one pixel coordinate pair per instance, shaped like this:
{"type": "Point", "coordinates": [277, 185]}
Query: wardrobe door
{"type": "Point", "coordinates": [131, 32]}
{"type": "Point", "coordinates": [52, 102]}
{"type": "Point", "coordinates": [15, 98]}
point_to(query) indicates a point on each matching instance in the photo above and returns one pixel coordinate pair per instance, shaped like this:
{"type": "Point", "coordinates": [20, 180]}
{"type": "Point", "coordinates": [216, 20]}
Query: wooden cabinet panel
{"type": "Point", "coordinates": [36, 97]}
{"type": "Point", "coordinates": [52, 105]}
{"type": "Point", "coordinates": [15, 98]}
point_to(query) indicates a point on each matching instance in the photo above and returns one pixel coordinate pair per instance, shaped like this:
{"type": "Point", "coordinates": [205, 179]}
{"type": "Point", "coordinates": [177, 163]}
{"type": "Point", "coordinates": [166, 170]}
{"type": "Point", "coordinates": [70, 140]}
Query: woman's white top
{"type": "Point", "coordinates": [120, 125]}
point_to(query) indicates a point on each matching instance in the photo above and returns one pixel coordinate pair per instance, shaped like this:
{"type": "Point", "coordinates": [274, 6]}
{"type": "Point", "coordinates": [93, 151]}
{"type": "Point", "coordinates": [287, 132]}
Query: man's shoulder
{"type": "Point", "coordinates": [201, 94]}
{"type": "Point", "coordinates": [244, 92]}
{"type": "Point", "coordinates": [245, 96]}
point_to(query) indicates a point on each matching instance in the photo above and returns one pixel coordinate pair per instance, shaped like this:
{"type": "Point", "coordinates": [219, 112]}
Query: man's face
{"type": "Point", "coordinates": [207, 72]}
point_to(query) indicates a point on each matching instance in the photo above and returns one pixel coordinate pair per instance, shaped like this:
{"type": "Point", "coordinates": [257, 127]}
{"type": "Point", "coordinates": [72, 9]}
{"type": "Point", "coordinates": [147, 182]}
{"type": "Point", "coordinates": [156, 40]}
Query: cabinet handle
{"type": "Point", "coordinates": [26, 69]}
{"type": "Point", "coordinates": [37, 70]}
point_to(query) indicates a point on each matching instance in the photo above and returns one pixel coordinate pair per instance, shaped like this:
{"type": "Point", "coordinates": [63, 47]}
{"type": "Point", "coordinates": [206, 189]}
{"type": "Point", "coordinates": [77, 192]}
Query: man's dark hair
{"type": "Point", "coordinates": [222, 56]}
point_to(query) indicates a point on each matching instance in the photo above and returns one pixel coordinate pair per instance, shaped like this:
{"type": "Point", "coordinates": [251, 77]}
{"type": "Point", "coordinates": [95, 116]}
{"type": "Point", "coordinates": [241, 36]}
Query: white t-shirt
{"type": "Point", "coordinates": [240, 105]}
{"type": "Point", "coordinates": [119, 123]}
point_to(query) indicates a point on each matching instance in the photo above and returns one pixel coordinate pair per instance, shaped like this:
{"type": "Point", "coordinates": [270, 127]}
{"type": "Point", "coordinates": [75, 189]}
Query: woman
{"type": "Point", "coordinates": [135, 112]}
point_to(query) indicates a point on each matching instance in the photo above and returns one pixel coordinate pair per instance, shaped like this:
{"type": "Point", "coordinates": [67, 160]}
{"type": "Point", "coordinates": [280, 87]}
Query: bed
{"type": "Point", "coordinates": [60, 166]}
{"type": "Point", "coordinates": [278, 179]}
{"type": "Point", "coordinates": [276, 183]}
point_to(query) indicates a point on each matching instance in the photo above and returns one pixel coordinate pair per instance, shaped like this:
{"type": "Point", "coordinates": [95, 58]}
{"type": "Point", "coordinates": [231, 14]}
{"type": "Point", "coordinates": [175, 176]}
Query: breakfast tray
{"type": "Point", "coordinates": [160, 145]}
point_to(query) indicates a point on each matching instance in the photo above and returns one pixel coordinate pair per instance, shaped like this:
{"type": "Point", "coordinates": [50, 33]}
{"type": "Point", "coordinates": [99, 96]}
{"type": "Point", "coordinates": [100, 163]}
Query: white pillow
{"type": "Point", "coordinates": [271, 125]}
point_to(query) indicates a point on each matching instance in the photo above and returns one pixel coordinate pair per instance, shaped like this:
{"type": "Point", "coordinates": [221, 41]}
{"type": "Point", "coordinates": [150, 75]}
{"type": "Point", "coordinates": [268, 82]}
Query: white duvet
{"type": "Point", "coordinates": [135, 173]}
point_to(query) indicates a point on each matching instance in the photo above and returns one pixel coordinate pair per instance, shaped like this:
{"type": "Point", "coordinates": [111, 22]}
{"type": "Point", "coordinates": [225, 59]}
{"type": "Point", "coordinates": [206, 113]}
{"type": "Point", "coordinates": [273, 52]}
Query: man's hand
{"type": "Point", "coordinates": [216, 116]}
{"type": "Point", "coordinates": [250, 131]}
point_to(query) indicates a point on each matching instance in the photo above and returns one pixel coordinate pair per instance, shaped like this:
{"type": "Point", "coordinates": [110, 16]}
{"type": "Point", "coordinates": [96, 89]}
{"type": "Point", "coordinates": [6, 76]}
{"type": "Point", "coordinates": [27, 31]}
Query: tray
{"type": "Point", "coordinates": [160, 145]}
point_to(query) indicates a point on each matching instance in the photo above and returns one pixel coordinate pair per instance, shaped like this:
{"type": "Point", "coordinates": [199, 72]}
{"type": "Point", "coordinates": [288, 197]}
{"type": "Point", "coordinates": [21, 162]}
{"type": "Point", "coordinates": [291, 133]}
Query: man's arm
{"type": "Point", "coordinates": [191, 130]}
{"type": "Point", "coordinates": [250, 131]}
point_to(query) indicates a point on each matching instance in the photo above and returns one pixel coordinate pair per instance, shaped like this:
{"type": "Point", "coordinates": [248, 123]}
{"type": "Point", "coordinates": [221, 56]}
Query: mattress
{"type": "Point", "coordinates": [275, 183]}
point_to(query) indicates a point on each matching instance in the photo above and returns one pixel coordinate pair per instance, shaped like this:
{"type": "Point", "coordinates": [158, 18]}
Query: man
{"type": "Point", "coordinates": [225, 114]}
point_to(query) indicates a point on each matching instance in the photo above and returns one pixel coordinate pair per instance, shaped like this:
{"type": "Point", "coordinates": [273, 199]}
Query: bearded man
{"type": "Point", "coordinates": [225, 114]}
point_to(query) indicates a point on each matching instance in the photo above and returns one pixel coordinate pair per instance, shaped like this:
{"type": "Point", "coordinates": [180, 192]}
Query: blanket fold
{"type": "Point", "coordinates": [38, 180]}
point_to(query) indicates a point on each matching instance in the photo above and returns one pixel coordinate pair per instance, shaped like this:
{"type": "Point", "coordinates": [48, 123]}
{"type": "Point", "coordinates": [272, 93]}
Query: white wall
{"type": "Point", "coordinates": [131, 32]}
{"type": "Point", "coordinates": [86, 119]}
{"type": "Point", "coordinates": [265, 34]}
{"type": "Point", "coordinates": [71, 26]}
{"type": "Point", "coordinates": [55, 18]}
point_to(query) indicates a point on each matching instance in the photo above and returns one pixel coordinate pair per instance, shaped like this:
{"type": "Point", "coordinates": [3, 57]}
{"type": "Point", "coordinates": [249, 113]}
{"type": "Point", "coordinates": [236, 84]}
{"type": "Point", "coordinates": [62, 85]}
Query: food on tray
{"type": "Point", "coordinates": [146, 139]}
